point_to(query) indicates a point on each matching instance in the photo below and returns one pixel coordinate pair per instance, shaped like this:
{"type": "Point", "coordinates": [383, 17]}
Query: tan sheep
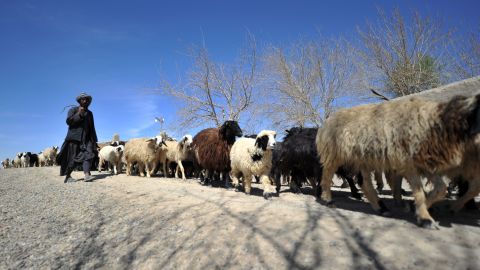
{"type": "Point", "coordinates": [50, 153]}
{"type": "Point", "coordinates": [411, 137]}
{"type": "Point", "coordinates": [142, 151]}
{"type": "Point", "coordinates": [178, 152]}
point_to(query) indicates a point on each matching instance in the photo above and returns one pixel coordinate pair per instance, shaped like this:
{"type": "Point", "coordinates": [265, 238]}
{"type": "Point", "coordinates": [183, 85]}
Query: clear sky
{"type": "Point", "coordinates": [116, 50]}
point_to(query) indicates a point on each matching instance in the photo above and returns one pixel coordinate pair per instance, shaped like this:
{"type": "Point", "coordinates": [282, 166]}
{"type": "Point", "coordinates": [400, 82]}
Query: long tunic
{"type": "Point", "coordinates": [80, 142]}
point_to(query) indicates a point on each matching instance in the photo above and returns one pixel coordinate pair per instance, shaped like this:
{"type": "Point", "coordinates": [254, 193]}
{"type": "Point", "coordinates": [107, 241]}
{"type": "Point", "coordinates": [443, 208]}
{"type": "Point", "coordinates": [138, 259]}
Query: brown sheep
{"type": "Point", "coordinates": [212, 146]}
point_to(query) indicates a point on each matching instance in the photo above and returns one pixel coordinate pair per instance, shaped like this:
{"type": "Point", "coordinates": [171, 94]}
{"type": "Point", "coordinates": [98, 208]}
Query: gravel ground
{"type": "Point", "coordinates": [119, 222]}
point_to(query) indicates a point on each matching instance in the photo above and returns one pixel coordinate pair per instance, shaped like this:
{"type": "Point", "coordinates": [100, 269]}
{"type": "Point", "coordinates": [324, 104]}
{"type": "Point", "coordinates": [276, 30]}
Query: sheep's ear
{"type": "Point", "coordinates": [475, 118]}
{"type": "Point", "coordinates": [150, 140]}
{"type": "Point", "coordinates": [119, 149]}
{"type": "Point", "coordinates": [223, 129]}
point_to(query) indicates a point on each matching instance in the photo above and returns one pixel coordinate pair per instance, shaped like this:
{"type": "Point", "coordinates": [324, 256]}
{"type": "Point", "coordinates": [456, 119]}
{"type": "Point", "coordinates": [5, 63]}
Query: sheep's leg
{"type": "Point", "coordinates": [141, 169]}
{"type": "Point", "coordinates": [235, 175]}
{"type": "Point", "coordinates": [164, 163]}
{"type": "Point", "coordinates": [439, 190]}
{"type": "Point", "coordinates": [247, 183]}
{"type": "Point", "coordinates": [277, 176]}
{"type": "Point", "coordinates": [180, 165]}
{"type": "Point", "coordinates": [395, 182]}
{"type": "Point", "coordinates": [326, 184]}
{"type": "Point", "coordinates": [344, 175]}
{"type": "Point", "coordinates": [148, 169]}
{"type": "Point", "coordinates": [176, 171]}
{"type": "Point", "coordinates": [268, 189]}
{"type": "Point", "coordinates": [473, 190]}
{"type": "Point", "coordinates": [379, 180]}
{"type": "Point", "coordinates": [115, 167]}
{"type": "Point", "coordinates": [129, 168]}
{"type": "Point", "coordinates": [313, 183]}
{"type": "Point", "coordinates": [423, 217]}
{"type": "Point", "coordinates": [371, 194]}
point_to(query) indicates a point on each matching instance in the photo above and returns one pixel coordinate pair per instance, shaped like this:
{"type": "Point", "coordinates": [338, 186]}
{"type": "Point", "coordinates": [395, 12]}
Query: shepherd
{"type": "Point", "coordinates": [80, 145]}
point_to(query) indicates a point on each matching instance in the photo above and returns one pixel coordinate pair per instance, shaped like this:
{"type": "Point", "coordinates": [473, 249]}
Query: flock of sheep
{"type": "Point", "coordinates": [29, 159]}
{"type": "Point", "coordinates": [409, 139]}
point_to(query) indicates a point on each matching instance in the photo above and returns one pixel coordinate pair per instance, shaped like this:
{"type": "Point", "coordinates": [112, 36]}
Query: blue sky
{"type": "Point", "coordinates": [116, 50]}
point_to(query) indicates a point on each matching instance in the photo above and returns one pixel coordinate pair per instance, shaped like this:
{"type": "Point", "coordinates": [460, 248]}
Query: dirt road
{"type": "Point", "coordinates": [121, 222]}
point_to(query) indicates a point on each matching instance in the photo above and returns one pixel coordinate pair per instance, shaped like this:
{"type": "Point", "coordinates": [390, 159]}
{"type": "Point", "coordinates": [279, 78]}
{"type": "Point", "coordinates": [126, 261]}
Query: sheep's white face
{"type": "Point", "coordinates": [187, 140]}
{"type": "Point", "coordinates": [271, 141]}
{"type": "Point", "coordinates": [159, 140]}
{"type": "Point", "coordinates": [120, 148]}
{"type": "Point", "coordinates": [266, 139]}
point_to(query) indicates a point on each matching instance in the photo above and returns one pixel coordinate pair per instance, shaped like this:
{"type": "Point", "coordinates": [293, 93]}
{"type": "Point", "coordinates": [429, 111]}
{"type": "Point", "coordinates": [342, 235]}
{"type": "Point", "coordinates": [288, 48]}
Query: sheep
{"type": "Point", "coordinates": [411, 137]}
{"type": "Point", "coordinates": [42, 161]}
{"type": "Point", "coordinates": [113, 155]}
{"type": "Point", "coordinates": [33, 159]}
{"type": "Point", "coordinates": [50, 154]}
{"type": "Point", "coordinates": [6, 163]}
{"type": "Point", "coordinates": [142, 151]}
{"type": "Point", "coordinates": [178, 152]}
{"type": "Point", "coordinates": [298, 156]}
{"type": "Point", "coordinates": [25, 160]}
{"type": "Point", "coordinates": [212, 146]}
{"type": "Point", "coordinates": [17, 162]}
{"type": "Point", "coordinates": [253, 157]}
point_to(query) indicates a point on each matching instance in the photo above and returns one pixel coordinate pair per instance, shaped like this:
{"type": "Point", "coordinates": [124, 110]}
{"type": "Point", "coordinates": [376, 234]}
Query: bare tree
{"type": "Point", "coordinates": [467, 62]}
{"type": "Point", "coordinates": [306, 80]}
{"type": "Point", "coordinates": [215, 92]}
{"type": "Point", "coordinates": [408, 57]}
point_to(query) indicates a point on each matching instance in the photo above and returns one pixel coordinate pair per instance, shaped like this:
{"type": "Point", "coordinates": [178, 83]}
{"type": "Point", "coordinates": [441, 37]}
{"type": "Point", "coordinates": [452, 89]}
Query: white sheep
{"type": "Point", "coordinates": [178, 152]}
{"type": "Point", "coordinates": [411, 137]}
{"type": "Point", "coordinates": [25, 160]}
{"type": "Point", "coordinates": [113, 155]}
{"type": "Point", "coordinates": [42, 161]}
{"type": "Point", "coordinates": [143, 151]}
{"type": "Point", "coordinates": [253, 157]}
{"type": "Point", "coordinates": [18, 160]}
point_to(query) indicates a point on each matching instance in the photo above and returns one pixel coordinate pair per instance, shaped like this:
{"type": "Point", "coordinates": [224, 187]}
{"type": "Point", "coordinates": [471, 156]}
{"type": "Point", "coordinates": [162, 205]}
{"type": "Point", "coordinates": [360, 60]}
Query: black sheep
{"type": "Point", "coordinates": [298, 156]}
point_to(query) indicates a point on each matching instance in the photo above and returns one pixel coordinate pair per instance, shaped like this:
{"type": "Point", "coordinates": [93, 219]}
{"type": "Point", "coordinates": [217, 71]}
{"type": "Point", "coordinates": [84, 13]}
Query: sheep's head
{"type": "Point", "coordinates": [186, 140]}
{"type": "Point", "coordinates": [19, 155]}
{"type": "Point", "coordinates": [120, 149]}
{"type": "Point", "coordinates": [114, 143]}
{"type": "Point", "coordinates": [292, 131]}
{"type": "Point", "coordinates": [159, 140]}
{"type": "Point", "coordinates": [229, 130]}
{"type": "Point", "coordinates": [266, 139]}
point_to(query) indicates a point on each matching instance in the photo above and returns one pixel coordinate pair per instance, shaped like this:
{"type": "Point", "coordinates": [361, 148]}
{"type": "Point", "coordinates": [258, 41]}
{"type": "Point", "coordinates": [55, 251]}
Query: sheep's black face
{"type": "Point", "coordinates": [230, 130]}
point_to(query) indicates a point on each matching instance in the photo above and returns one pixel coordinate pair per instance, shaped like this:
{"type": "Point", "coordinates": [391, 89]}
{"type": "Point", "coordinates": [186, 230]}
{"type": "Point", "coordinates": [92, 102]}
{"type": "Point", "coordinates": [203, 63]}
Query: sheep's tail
{"type": "Point", "coordinates": [68, 106]}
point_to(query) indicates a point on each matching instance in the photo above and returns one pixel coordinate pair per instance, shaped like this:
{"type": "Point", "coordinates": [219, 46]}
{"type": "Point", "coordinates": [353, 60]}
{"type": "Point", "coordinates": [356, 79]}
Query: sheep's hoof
{"type": "Point", "coordinates": [331, 204]}
{"type": "Point", "coordinates": [383, 209]}
{"type": "Point", "coordinates": [428, 224]}
{"type": "Point", "coordinates": [356, 195]}
{"type": "Point", "coordinates": [267, 195]}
